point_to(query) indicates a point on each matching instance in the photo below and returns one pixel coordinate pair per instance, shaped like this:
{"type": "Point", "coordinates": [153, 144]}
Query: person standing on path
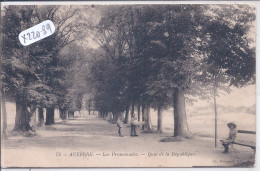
{"type": "Point", "coordinates": [134, 125]}
{"type": "Point", "coordinates": [119, 125]}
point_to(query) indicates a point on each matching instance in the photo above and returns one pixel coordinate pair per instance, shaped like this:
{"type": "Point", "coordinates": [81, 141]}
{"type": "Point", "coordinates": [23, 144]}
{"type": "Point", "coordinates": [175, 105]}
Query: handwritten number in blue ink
{"type": "Point", "coordinates": [48, 27]}
{"type": "Point", "coordinates": [36, 33]}
{"type": "Point", "coordinates": [43, 29]}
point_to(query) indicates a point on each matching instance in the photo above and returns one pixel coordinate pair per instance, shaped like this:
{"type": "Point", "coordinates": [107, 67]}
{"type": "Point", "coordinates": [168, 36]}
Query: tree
{"type": "Point", "coordinates": [40, 117]}
{"type": "Point", "coordinates": [73, 59]}
{"type": "Point", "coordinates": [3, 100]}
{"type": "Point", "coordinates": [4, 116]}
{"type": "Point", "coordinates": [16, 64]}
{"type": "Point", "coordinates": [32, 74]}
{"type": "Point", "coordinates": [230, 57]}
{"type": "Point", "coordinates": [109, 35]}
{"type": "Point", "coordinates": [182, 35]}
{"type": "Point", "coordinates": [171, 51]}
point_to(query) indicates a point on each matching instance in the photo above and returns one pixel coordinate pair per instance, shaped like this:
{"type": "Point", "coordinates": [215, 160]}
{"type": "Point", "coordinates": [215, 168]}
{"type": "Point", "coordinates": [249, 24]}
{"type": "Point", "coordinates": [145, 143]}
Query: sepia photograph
{"type": "Point", "coordinates": [128, 85]}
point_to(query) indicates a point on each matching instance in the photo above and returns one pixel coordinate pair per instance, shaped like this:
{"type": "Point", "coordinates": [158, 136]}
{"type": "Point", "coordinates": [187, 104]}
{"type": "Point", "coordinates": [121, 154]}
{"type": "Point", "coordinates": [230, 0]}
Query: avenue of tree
{"type": "Point", "coordinates": [147, 56]}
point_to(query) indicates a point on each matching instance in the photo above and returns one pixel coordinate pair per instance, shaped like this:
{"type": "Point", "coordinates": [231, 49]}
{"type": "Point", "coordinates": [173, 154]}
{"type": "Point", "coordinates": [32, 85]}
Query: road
{"type": "Point", "coordinates": [90, 141]}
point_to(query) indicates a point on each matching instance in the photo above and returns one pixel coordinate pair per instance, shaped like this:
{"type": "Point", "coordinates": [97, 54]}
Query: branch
{"type": "Point", "coordinates": [66, 19]}
{"type": "Point", "coordinates": [52, 15]}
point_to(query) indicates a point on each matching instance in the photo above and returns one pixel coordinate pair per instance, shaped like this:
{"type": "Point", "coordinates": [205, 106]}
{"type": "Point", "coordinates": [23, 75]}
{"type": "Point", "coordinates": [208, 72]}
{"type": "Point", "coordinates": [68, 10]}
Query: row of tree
{"type": "Point", "coordinates": [40, 75]}
{"type": "Point", "coordinates": [160, 56]}
{"type": "Point", "coordinates": [146, 56]}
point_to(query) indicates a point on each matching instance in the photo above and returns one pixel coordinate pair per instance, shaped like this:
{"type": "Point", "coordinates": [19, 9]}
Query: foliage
{"type": "Point", "coordinates": [150, 52]}
{"type": "Point", "coordinates": [34, 72]}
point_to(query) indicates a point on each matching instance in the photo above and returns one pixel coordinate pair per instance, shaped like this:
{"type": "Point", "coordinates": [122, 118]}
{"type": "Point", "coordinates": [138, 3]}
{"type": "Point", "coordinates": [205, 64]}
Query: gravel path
{"type": "Point", "coordinates": [89, 141]}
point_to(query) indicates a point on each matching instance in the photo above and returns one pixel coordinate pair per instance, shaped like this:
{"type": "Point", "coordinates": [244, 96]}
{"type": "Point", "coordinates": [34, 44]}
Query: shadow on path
{"type": "Point", "coordinates": [77, 132]}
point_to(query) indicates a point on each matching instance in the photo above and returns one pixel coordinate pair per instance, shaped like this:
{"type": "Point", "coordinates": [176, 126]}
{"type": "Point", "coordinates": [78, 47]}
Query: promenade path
{"type": "Point", "coordinates": [90, 141]}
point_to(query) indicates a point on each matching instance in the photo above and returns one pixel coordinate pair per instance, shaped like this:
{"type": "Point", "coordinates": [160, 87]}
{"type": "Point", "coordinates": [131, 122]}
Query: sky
{"type": "Point", "coordinates": [245, 96]}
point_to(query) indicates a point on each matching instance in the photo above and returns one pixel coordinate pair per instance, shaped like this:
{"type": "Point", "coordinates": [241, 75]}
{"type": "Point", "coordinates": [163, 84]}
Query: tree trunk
{"type": "Point", "coordinates": [4, 135]}
{"type": "Point", "coordinates": [143, 118]}
{"type": "Point", "coordinates": [126, 114]}
{"type": "Point", "coordinates": [89, 107]}
{"type": "Point", "coordinates": [133, 110]}
{"type": "Point", "coordinates": [19, 110]}
{"type": "Point", "coordinates": [63, 114]}
{"type": "Point", "coordinates": [40, 117]}
{"type": "Point", "coordinates": [68, 114]}
{"type": "Point", "coordinates": [138, 112]}
{"type": "Point", "coordinates": [159, 123]}
{"type": "Point", "coordinates": [49, 116]}
{"type": "Point", "coordinates": [180, 120]}
{"type": "Point", "coordinates": [33, 116]}
{"type": "Point", "coordinates": [71, 114]}
{"type": "Point", "coordinates": [115, 116]}
{"type": "Point", "coordinates": [216, 114]}
{"type": "Point", "coordinates": [22, 118]}
{"type": "Point", "coordinates": [120, 116]}
{"type": "Point", "coordinates": [148, 123]}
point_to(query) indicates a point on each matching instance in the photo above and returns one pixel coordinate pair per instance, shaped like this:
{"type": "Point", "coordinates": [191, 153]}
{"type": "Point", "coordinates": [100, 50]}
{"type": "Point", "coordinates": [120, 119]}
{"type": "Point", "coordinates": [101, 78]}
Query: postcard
{"type": "Point", "coordinates": [128, 84]}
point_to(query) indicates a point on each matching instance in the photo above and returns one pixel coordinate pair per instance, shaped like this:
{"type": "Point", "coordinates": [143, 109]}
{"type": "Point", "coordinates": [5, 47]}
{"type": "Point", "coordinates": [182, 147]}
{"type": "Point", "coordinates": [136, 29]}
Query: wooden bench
{"type": "Point", "coordinates": [242, 144]}
{"type": "Point", "coordinates": [245, 144]}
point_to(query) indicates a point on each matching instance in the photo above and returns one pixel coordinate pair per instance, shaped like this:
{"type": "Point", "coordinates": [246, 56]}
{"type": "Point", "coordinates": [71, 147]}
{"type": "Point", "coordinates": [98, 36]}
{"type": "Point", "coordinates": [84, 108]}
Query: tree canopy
{"type": "Point", "coordinates": [146, 55]}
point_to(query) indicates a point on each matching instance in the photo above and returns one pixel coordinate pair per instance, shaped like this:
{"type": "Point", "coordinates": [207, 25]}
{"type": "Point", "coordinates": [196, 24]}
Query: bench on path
{"type": "Point", "coordinates": [242, 143]}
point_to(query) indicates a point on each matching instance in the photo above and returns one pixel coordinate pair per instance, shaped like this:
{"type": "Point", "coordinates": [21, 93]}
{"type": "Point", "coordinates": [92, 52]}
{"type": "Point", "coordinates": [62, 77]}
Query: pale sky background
{"type": "Point", "coordinates": [245, 96]}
